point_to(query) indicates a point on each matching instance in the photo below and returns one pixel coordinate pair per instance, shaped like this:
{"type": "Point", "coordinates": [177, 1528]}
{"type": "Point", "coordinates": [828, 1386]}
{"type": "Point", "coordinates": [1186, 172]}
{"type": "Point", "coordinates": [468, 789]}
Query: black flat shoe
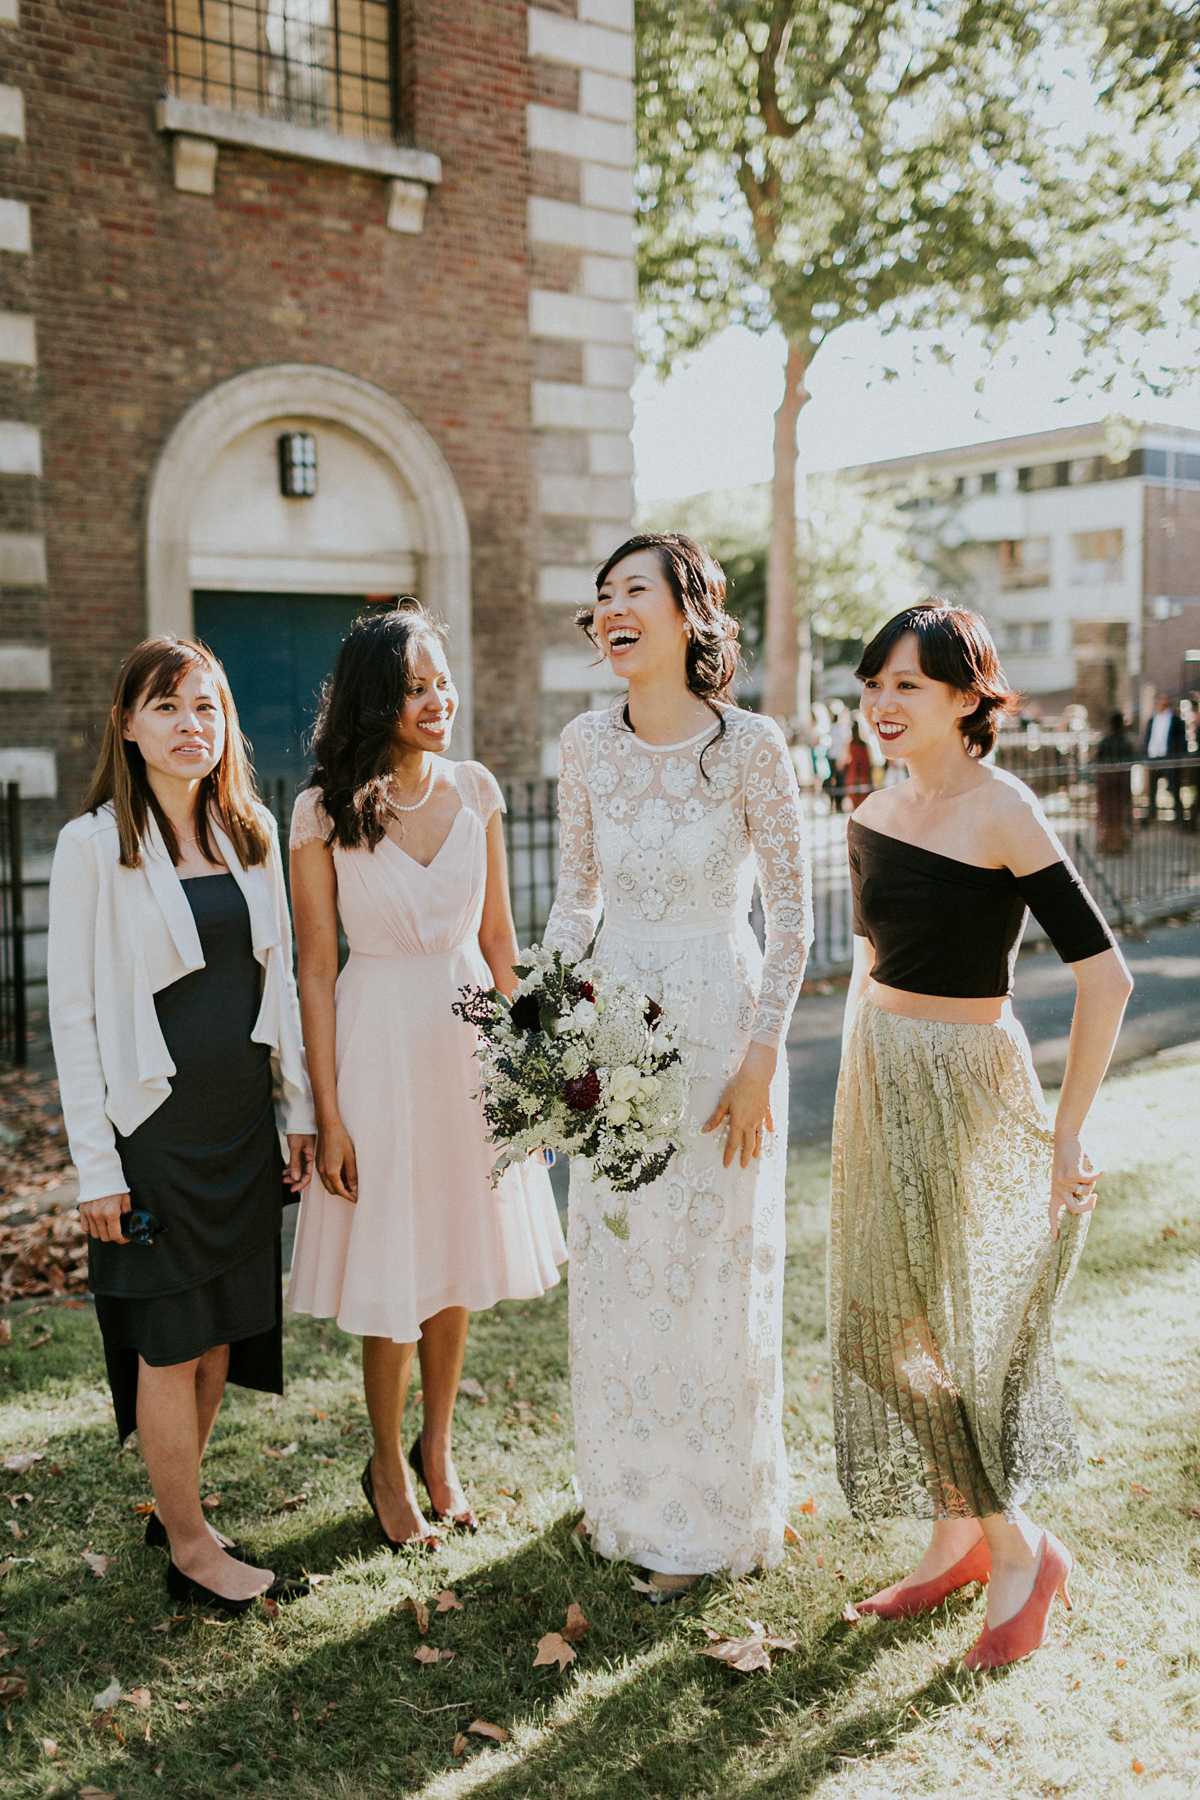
{"type": "Point", "coordinates": [157, 1539]}
{"type": "Point", "coordinates": [464, 1521]}
{"type": "Point", "coordinates": [430, 1544]}
{"type": "Point", "coordinates": [181, 1587]}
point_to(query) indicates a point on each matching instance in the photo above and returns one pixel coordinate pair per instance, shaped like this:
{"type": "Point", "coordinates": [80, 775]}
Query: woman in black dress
{"type": "Point", "coordinates": [174, 1016]}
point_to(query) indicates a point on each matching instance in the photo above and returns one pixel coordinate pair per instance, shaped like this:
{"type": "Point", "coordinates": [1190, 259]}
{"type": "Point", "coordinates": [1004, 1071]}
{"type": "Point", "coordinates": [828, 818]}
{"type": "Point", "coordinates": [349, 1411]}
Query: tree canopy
{"type": "Point", "coordinates": [810, 162]}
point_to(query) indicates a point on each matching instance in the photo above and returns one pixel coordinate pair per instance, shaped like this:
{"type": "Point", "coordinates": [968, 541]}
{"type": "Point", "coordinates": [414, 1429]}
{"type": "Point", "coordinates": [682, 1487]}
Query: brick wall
{"type": "Point", "coordinates": [145, 298]}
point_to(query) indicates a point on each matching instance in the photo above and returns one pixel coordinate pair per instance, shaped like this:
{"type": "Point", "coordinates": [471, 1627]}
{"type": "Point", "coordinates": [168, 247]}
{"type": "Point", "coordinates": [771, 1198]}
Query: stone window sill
{"type": "Point", "coordinates": [198, 131]}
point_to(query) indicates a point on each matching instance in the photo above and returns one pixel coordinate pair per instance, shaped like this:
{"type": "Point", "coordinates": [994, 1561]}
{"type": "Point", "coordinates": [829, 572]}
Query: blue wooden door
{"type": "Point", "coordinates": [277, 650]}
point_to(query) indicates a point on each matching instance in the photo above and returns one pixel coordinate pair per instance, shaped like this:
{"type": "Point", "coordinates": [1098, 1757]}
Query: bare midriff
{"type": "Point", "coordinates": [941, 1009]}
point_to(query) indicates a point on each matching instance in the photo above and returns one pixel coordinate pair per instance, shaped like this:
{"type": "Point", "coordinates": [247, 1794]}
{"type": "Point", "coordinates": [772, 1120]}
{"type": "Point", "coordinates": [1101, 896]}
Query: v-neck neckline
{"type": "Point", "coordinates": [407, 854]}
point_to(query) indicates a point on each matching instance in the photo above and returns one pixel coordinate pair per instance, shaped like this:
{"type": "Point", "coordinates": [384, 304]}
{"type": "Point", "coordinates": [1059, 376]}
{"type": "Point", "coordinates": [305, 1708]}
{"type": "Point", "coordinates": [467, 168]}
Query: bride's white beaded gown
{"type": "Point", "coordinates": [675, 1337]}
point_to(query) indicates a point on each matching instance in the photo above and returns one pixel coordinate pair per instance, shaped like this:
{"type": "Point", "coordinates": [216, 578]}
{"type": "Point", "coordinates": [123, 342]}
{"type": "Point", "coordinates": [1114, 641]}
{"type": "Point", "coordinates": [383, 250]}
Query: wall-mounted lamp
{"type": "Point", "coordinates": [297, 465]}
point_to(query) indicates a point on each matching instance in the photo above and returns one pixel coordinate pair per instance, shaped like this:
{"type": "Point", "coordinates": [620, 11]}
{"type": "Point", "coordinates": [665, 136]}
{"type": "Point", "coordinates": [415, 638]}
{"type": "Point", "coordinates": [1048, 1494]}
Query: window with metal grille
{"type": "Point", "coordinates": [327, 64]}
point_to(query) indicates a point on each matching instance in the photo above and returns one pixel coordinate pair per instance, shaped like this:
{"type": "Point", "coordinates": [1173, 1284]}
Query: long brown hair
{"type": "Point", "coordinates": [354, 741]}
{"type": "Point", "coordinates": [150, 672]}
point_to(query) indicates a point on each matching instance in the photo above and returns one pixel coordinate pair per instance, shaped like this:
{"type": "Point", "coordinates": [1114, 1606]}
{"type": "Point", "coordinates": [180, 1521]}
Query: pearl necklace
{"type": "Point", "coordinates": [394, 806]}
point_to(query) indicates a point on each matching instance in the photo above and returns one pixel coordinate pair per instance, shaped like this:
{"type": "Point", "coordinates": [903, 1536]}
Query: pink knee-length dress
{"type": "Point", "coordinates": [428, 1230]}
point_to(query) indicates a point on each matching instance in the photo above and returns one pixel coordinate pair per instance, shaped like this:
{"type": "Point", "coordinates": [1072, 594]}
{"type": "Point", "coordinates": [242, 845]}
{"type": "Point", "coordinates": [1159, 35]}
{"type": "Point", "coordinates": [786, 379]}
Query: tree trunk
{"type": "Point", "coordinates": [782, 698]}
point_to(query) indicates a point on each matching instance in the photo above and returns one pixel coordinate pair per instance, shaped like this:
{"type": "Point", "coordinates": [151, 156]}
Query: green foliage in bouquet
{"type": "Point", "coordinates": [582, 1064]}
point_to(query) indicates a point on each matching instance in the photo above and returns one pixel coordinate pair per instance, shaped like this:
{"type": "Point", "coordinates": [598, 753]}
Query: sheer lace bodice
{"type": "Point", "coordinates": [676, 1378]}
{"type": "Point", "coordinates": [667, 846]}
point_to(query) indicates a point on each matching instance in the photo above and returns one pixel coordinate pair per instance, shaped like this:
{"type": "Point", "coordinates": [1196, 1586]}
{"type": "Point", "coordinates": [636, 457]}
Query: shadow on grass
{"type": "Point", "coordinates": [326, 1702]}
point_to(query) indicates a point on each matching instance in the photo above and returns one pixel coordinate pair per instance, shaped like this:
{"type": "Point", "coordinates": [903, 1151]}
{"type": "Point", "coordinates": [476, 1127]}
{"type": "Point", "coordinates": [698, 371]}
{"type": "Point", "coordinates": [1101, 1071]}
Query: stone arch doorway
{"type": "Point", "coordinates": [273, 583]}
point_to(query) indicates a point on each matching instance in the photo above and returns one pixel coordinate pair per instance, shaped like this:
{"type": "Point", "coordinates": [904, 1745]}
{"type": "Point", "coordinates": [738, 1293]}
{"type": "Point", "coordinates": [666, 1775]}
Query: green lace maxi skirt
{"type": "Point", "coordinates": [943, 1279]}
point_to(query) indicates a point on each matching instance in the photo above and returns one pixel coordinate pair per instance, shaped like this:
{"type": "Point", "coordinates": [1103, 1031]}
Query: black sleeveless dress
{"type": "Point", "coordinates": [207, 1165]}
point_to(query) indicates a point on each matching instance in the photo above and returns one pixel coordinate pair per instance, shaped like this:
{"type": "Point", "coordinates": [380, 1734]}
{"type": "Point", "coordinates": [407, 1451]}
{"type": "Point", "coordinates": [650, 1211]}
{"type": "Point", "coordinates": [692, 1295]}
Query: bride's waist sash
{"type": "Point", "coordinates": [645, 931]}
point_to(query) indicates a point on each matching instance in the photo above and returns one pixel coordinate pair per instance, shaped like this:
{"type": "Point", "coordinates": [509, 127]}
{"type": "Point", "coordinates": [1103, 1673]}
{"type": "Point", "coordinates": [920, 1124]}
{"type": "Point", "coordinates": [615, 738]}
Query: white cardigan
{"type": "Point", "coordinates": [118, 936]}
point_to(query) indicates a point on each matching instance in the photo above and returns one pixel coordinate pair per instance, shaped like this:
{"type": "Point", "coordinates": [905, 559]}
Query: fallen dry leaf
{"type": "Point", "coordinates": [580, 1530]}
{"type": "Point", "coordinates": [96, 1563]}
{"type": "Point", "coordinates": [95, 1793]}
{"type": "Point", "coordinates": [143, 1508]}
{"type": "Point", "coordinates": [49, 1747]}
{"type": "Point", "coordinates": [14, 1528]}
{"type": "Point", "coordinates": [422, 1611]}
{"type": "Point", "coordinates": [1139, 1768]}
{"type": "Point", "coordinates": [641, 1587]}
{"type": "Point", "coordinates": [37, 1343]}
{"type": "Point", "coordinates": [12, 1688]}
{"type": "Point", "coordinates": [316, 1580]}
{"type": "Point", "coordinates": [471, 1388]}
{"type": "Point", "coordinates": [461, 1740]}
{"type": "Point", "coordinates": [140, 1698]}
{"type": "Point", "coordinates": [211, 1501]}
{"type": "Point", "coordinates": [1135, 1487]}
{"type": "Point", "coordinates": [553, 1648]}
{"type": "Point", "coordinates": [448, 1601]}
{"type": "Point", "coordinates": [5, 1331]}
{"type": "Point", "coordinates": [1120, 1662]}
{"type": "Point", "coordinates": [107, 1696]}
{"type": "Point", "coordinates": [576, 1627]}
{"type": "Point", "coordinates": [850, 1613]}
{"type": "Point", "coordinates": [26, 1460]}
{"type": "Point", "coordinates": [292, 1502]}
{"type": "Point", "coordinates": [182, 1705]}
{"type": "Point", "coordinates": [746, 1654]}
{"type": "Point", "coordinates": [427, 1653]}
{"type": "Point", "coordinates": [270, 1607]}
{"type": "Point", "coordinates": [809, 1507]}
{"type": "Point", "coordinates": [483, 1728]}
{"type": "Point", "coordinates": [790, 1535]}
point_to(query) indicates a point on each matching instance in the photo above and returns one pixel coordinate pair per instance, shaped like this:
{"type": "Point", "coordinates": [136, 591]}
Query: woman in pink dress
{"type": "Point", "coordinates": [401, 1234]}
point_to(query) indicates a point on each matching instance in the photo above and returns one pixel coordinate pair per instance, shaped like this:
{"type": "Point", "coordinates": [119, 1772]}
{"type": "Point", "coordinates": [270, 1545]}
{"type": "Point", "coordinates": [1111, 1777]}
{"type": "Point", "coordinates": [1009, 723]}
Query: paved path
{"type": "Point", "coordinates": [1164, 1010]}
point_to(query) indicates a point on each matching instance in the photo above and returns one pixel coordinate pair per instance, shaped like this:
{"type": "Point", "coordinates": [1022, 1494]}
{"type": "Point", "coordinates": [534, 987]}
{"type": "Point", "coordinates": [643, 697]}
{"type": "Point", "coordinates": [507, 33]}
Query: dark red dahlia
{"type": "Point", "coordinates": [654, 1013]}
{"type": "Point", "coordinates": [582, 1093]}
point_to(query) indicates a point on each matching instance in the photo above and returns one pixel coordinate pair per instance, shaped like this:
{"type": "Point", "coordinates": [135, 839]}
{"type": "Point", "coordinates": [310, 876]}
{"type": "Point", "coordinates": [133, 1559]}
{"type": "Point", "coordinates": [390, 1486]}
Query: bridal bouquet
{"type": "Point", "coordinates": [581, 1063]}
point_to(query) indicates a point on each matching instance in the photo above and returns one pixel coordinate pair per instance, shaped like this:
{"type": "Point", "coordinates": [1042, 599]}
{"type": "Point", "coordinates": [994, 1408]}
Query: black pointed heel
{"type": "Point", "coordinates": [429, 1543]}
{"type": "Point", "coordinates": [157, 1539]}
{"type": "Point", "coordinates": [181, 1587]}
{"type": "Point", "coordinates": [464, 1521]}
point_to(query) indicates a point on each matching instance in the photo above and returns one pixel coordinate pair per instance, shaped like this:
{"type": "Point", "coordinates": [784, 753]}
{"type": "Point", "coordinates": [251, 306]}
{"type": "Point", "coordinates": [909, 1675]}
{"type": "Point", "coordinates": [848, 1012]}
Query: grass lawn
{"type": "Point", "coordinates": [329, 1700]}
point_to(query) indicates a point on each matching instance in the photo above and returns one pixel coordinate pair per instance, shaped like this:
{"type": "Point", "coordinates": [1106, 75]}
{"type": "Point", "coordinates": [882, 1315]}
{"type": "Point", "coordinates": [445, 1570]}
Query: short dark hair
{"type": "Point", "coordinates": [954, 646]}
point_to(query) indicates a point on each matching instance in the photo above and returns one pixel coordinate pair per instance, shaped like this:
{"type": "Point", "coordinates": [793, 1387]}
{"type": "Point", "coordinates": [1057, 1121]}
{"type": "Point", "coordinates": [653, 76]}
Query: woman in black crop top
{"type": "Point", "coordinates": [958, 1214]}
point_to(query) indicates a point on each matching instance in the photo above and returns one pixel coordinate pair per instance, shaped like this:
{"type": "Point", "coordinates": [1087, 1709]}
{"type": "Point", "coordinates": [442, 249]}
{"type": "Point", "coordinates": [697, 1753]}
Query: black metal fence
{"type": "Point", "coordinates": [14, 1028]}
{"type": "Point", "coordinates": [1133, 830]}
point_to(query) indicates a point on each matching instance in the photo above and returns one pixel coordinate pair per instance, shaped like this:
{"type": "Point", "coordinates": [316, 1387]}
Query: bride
{"type": "Point", "coordinates": [669, 802]}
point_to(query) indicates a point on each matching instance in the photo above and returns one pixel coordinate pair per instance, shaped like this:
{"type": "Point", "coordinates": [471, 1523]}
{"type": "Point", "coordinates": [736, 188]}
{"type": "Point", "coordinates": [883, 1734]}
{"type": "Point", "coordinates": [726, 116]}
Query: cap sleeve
{"type": "Point", "coordinates": [310, 821]}
{"type": "Point", "coordinates": [480, 789]}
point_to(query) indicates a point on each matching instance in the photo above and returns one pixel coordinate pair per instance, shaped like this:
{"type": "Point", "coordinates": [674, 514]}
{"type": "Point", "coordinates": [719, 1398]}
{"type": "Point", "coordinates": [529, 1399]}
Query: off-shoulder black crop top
{"type": "Point", "coordinates": [940, 926]}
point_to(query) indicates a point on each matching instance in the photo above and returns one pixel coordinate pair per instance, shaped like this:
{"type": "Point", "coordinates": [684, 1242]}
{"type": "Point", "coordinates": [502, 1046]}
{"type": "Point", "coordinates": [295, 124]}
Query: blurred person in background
{"type": "Point", "coordinates": [1165, 741]}
{"type": "Point", "coordinates": [1114, 790]}
{"type": "Point", "coordinates": [858, 767]}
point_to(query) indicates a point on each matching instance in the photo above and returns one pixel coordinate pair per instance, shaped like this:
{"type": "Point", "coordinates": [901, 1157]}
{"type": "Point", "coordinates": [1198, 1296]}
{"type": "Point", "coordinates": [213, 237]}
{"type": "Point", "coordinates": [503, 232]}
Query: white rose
{"type": "Point", "coordinates": [650, 1085]}
{"type": "Point", "coordinates": [624, 1083]}
{"type": "Point", "coordinates": [582, 1016]}
{"type": "Point", "coordinates": [619, 1112]}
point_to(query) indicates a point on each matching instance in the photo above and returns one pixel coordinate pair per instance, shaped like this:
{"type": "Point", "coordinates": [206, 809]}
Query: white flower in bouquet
{"type": "Point", "coordinates": [582, 1063]}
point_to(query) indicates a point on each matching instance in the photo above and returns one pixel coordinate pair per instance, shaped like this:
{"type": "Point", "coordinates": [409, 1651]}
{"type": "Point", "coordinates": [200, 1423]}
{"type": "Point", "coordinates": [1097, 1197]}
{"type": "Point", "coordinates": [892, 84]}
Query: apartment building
{"type": "Point", "coordinates": [304, 304]}
{"type": "Point", "coordinates": [1082, 554]}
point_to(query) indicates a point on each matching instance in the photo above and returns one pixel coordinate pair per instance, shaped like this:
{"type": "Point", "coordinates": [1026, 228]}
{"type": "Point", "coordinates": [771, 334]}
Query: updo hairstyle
{"type": "Point", "coordinates": [953, 646]}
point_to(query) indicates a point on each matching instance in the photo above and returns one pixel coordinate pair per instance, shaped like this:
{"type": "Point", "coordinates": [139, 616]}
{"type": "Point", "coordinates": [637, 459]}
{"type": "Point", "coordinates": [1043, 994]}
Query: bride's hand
{"type": "Point", "coordinates": [746, 1104]}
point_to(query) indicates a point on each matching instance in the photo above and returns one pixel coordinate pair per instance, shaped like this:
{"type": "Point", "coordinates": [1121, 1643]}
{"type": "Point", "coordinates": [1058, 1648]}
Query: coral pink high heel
{"type": "Point", "coordinates": [1025, 1632]}
{"type": "Point", "coordinates": [901, 1602]}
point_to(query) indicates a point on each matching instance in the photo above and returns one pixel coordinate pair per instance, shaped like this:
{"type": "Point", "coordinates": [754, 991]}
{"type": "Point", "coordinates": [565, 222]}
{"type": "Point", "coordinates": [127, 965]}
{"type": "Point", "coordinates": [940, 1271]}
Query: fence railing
{"type": "Point", "coordinates": [14, 1029]}
{"type": "Point", "coordinates": [1133, 830]}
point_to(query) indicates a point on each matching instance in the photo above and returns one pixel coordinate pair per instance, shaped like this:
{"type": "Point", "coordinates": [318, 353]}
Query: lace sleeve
{"type": "Point", "coordinates": [309, 819]}
{"type": "Point", "coordinates": [480, 788]}
{"type": "Point", "coordinates": [776, 830]}
{"type": "Point", "coordinates": [577, 903]}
